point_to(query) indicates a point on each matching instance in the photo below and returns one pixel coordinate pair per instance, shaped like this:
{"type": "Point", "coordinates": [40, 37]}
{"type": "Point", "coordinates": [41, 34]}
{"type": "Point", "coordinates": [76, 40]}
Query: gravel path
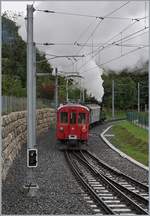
{"type": "Point", "coordinates": [104, 152]}
{"type": "Point", "coordinates": [59, 192]}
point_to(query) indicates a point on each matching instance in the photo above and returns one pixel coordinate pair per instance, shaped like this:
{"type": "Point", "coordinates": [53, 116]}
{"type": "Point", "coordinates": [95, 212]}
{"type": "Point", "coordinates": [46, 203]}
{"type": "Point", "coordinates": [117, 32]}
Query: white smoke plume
{"type": "Point", "coordinates": [92, 80]}
{"type": "Point", "coordinates": [68, 30]}
{"type": "Point", "coordinates": [59, 28]}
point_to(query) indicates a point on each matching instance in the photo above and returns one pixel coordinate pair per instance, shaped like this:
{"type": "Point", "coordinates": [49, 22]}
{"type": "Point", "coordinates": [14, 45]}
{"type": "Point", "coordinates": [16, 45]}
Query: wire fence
{"type": "Point", "coordinates": [13, 104]}
{"type": "Point", "coordinates": [139, 119]}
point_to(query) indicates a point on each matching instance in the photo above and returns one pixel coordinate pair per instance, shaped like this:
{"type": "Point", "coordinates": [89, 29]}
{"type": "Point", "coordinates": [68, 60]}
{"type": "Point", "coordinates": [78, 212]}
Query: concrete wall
{"type": "Point", "coordinates": [14, 133]}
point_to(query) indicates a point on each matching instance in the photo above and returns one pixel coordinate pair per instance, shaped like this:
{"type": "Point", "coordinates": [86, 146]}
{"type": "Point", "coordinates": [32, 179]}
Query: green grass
{"type": "Point", "coordinates": [144, 114]}
{"type": "Point", "coordinates": [118, 114]}
{"type": "Point", "coordinates": [132, 140]}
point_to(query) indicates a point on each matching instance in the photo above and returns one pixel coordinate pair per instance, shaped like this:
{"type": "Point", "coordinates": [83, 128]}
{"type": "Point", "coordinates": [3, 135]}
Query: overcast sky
{"type": "Point", "coordinates": [58, 28]}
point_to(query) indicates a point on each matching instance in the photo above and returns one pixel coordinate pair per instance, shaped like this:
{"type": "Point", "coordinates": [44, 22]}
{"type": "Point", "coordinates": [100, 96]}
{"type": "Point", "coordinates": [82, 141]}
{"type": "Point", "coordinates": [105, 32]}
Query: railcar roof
{"type": "Point", "coordinates": [93, 106]}
{"type": "Point", "coordinates": [73, 105]}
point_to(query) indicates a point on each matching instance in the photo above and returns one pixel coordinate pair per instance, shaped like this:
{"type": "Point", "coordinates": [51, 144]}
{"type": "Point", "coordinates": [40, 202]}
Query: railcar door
{"type": "Point", "coordinates": [83, 124]}
{"type": "Point", "coordinates": [73, 125]}
{"type": "Point", "coordinates": [63, 124]}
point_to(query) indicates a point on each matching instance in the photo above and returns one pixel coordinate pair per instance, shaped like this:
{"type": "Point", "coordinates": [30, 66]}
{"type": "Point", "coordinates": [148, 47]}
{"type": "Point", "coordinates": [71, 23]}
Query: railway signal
{"type": "Point", "coordinates": [32, 159]}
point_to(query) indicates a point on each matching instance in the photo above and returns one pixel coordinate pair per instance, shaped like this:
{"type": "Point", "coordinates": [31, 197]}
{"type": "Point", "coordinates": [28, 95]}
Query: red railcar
{"type": "Point", "coordinates": [72, 124]}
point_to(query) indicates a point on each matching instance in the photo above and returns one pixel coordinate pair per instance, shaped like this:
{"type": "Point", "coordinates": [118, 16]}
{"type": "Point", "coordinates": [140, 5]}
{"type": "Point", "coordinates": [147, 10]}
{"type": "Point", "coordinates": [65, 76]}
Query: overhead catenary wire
{"type": "Point", "coordinates": [59, 56]}
{"type": "Point", "coordinates": [123, 30]}
{"type": "Point", "coordinates": [80, 44]}
{"type": "Point", "coordinates": [110, 13]}
{"type": "Point", "coordinates": [132, 45]}
{"type": "Point", "coordinates": [54, 56]}
{"type": "Point", "coordinates": [83, 32]}
{"type": "Point", "coordinates": [68, 44]}
{"type": "Point", "coordinates": [136, 19]}
{"type": "Point", "coordinates": [131, 38]}
{"type": "Point", "coordinates": [96, 52]}
{"type": "Point", "coordinates": [116, 35]}
{"type": "Point", "coordinates": [92, 45]}
{"type": "Point", "coordinates": [88, 44]}
{"type": "Point", "coordinates": [114, 59]}
{"type": "Point", "coordinates": [113, 43]}
{"type": "Point", "coordinates": [145, 12]}
{"type": "Point", "coordinates": [89, 36]}
{"type": "Point", "coordinates": [89, 15]}
{"type": "Point", "coordinates": [125, 54]}
{"type": "Point", "coordinates": [128, 36]}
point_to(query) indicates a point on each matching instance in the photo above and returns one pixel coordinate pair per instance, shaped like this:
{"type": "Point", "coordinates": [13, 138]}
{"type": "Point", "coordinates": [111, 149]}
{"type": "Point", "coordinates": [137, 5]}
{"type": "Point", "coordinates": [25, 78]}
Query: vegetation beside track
{"type": "Point", "coordinates": [14, 66]}
{"type": "Point", "coordinates": [126, 87]}
{"type": "Point", "coordinates": [132, 140]}
{"type": "Point", "coordinates": [118, 114]}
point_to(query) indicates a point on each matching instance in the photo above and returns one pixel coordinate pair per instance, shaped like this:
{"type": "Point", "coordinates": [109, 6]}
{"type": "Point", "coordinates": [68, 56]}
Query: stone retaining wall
{"type": "Point", "coordinates": [14, 133]}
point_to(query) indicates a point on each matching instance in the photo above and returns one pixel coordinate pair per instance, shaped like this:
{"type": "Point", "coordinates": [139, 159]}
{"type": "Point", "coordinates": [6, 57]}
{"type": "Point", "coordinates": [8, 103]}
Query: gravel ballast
{"type": "Point", "coordinates": [104, 152]}
{"type": "Point", "coordinates": [59, 191]}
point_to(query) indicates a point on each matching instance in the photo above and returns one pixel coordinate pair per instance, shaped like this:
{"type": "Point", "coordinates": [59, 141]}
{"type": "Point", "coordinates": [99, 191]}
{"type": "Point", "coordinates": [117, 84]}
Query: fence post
{"type": "Point", "coordinates": [113, 98]}
{"type": "Point", "coordinates": [138, 97]}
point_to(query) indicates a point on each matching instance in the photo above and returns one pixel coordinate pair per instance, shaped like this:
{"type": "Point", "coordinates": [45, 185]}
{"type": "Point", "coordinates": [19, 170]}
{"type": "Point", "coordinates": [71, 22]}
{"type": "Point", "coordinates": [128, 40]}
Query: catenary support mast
{"type": "Point", "coordinates": [138, 97]}
{"type": "Point", "coordinates": [113, 100]}
{"type": "Point", "coordinates": [31, 102]}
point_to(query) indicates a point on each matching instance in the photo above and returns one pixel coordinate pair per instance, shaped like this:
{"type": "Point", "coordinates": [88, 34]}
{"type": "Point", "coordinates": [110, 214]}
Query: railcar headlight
{"type": "Point", "coordinates": [83, 129]}
{"type": "Point", "coordinates": [61, 129]}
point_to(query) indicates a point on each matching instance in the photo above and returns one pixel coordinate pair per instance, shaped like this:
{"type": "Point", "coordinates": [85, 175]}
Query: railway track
{"type": "Point", "coordinates": [133, 188]}
{"type": "Point", "coordinates": [105, 187]}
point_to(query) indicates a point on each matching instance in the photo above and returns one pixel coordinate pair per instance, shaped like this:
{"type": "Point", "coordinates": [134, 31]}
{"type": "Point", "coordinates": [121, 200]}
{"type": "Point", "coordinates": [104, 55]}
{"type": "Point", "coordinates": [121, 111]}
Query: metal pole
{"type": "Point", "coordinates": [83, 96]}
{"type": "Point", "coordinates": [138, 97]}
{"type": "Point", "coordinates": [113, 98]}
{"type": "Point", "coordinates": [80, 99]}
{"type": "Point", "coordinates": [34, 95]}
{"type": "Point", "coordinates": [67, 90]}
{"type": "Point", "coordinates": [80, 96]}
{"type": "Point", "coordinates": [29, 75]}
{"type": "Point", "coordinates": [31, 185]}
{"type": "Point", "coordinates": [56, 88]}
{"type": "Point", "coordinates": [148, 112]}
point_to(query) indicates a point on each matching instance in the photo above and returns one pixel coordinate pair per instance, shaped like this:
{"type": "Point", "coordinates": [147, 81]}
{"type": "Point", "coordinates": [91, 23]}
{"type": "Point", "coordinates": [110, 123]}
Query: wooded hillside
{"type": "Point", "coordinates": [126, 87]}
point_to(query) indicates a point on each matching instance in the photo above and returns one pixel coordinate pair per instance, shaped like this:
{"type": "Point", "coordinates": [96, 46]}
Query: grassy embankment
{"type": "Point", "coordinates": [118, 114]}
{"type": "Point", "coordinates": [131, 140]}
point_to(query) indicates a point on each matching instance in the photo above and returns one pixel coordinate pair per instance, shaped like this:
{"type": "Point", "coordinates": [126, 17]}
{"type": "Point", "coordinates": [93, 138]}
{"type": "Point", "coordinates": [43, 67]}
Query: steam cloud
{"type": "Point", "coordinates": [92, 80]}
{"type": "Point", "coordinates": [55, 28]}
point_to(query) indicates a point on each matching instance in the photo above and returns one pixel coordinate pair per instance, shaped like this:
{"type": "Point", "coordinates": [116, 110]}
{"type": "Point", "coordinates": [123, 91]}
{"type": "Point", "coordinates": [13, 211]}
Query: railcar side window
{"type": "Point", "coordinates": [64, 117]}
{"type": "Point", "coordinates": [72, 118]}
{"type": "Point", "coordinates": [81, 118]}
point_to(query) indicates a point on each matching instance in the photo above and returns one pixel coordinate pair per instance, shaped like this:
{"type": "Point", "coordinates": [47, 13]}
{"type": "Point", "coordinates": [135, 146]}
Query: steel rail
{"type": "Point", "coordinates": [98, 200]}
{"type": "Point", "coordinates": [135, 207]}
{"type": "Point", "coordinates": [117, 172]}
{"type": "Point", "coordinates": [124, 189]}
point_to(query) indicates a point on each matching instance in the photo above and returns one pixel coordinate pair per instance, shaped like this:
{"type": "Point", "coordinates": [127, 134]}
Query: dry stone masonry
{"type": "Point", "coordinates": [14, 133]}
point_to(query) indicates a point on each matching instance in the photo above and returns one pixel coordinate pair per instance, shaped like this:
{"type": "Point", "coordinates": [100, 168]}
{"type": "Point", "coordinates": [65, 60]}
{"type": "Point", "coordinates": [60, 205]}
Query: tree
{"type": "Point", "coordinates": [14, 57]}
{"type": "Point", "coordinates": [126, 87]}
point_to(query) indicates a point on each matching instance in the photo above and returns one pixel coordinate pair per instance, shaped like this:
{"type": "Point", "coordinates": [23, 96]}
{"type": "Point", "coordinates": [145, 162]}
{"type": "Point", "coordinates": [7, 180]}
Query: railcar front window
{"type": "Point", "coordinates": [81, 118]}
{"type": "Point", "coordinates": [72, 118]}
{"type": "Point", "coordinates": [64, 117]}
